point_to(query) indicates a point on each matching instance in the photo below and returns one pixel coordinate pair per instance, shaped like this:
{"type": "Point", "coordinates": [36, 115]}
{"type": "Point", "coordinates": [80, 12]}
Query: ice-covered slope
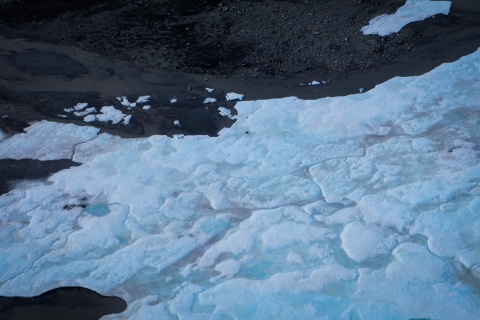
{"type": "Point", "coordinates": [411, 11]}
{"type": "Point", "coordinates": [357, 207]}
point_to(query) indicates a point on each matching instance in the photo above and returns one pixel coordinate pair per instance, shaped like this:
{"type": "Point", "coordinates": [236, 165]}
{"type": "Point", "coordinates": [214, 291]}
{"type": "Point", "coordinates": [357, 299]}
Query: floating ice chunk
{"type": "Point", "coordinates": [69, 109]}
{"type": "Point", "coordinates": [210, 100]}
{"type": "Point", "coordinates": [80, 106]}
{"type": "Point", "coordinates": [324, 82]}
{"type": "Point", "coordinates": [210, 90]}
{"type": "Point", "coordinates": [58, 115]}
{"type": "Point", "coordinates": [314, 83]}
{"type": "Point", "coordinates": [176, 122]}
{"type": "Point", "coordinates": [5, 116]}
{"type": "Point", "coordinates": [109, 113]}
{"type": "Point", "coordinates": [83, 113]}
{"type": "Point", "coordinates": [125, 101]}
{"type": "Point", "coordinates": [234, 96]}
{"type": "Point", "coordinates": [361, 90]}
{"type": "Point", "coordinates": [90, 118]}
{"type": "Point", "coordinates": [143, 99]}
{"type": "Point", "coordinates": [133, 105]}
{"type": "Point", "coordinates": [46, 141]}
{"type": "Point", "coordinates": [225, 112]}
{"type": "Point", "coordinates": [126, 120]}
{"type": "Point", "coordinates": [146, 107]}
{"type": "Point", "coordinates": [412, 10]}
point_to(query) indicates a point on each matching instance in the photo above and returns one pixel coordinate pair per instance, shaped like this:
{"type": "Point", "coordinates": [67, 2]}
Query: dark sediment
{"type": "Point", "coordinates": [14, 170]}
{"type": "Point", "coordinates": [73, 303]}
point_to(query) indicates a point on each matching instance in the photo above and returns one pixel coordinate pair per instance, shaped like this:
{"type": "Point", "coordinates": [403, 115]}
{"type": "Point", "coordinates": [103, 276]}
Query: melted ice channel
{"type": "Point", "coordinates": [358, 207]}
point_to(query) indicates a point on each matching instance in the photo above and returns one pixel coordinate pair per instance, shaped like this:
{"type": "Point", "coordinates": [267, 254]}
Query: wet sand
{"type": "Point", "coordinates": [28, 95]}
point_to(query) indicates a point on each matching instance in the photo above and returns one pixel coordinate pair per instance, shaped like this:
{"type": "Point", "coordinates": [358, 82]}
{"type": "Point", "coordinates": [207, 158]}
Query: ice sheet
{"type": "Point", "coordinates": [358, 207]}
{"type": "Point", "coordinates": [411, 11]}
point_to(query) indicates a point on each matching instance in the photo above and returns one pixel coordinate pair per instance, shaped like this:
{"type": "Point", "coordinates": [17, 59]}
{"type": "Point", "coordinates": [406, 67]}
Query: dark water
{"type": "Point", "coordinates": [72, 303]}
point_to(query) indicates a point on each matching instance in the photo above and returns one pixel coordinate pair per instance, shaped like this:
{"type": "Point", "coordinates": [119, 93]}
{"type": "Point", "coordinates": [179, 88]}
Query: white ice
{"type": "Point", "coordinates": [210, 100]}
{"type": "Point", "coordinates": [173, 100]}
{"type": "Point", "coordinates": [176, 122]}
{"type": "Point", "coordinates": [411, 11]}
{"type": "Point", "coordinates": [358, 207]}
{"type": "Point", "coordinates": [234, 96]}
{"type": "Point", "coordinates": [210, 90]}
{"type": "Point", "coordinates": [225, 112]}
{"type": "Point", "coordinates": [46, 141]}
{"type": "Point", "coordinates": [85, 112]}
{"type": "Point", "coordinates": [109, 113]}
{"type": "Point", "coordinates": [146, 107]}
{"type": "Point", "coordinates": [143, 99]}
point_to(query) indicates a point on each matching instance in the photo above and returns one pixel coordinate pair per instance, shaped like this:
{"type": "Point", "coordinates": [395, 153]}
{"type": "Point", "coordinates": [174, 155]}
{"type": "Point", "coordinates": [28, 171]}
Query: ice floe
{"type": "Point", "coordinates": [210, 90]}
{"type": "Point", "coordinates": [146, 107]}
{"type": "Point", "coordinates": [143, 99]}
{"type": "Point", "coordinates": [225, 112]}
{"type": "Point", "coordinates": [173, 100]}
{"type": "Point", "coordinates": [356, 207]}
{"type": "Point", "coordinates": [234, 96]}
{"type": "Point", "coordinates": [210, 100]}
{"type": "Point", "coordinates": [176, 122]}
{"type": "Point", "coordinates": [411, 11]}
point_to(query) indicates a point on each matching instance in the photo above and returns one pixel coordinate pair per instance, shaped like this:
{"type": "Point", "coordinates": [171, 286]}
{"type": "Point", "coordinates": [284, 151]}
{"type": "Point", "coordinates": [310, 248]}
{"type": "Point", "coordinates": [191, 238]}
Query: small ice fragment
{"type": "Point", "coordinates": [210, 90]}
{"type": "Point", "coordinates": [68, 109]}
{"type": "Point", "coordinates": [314, 83]}
{"type": "Point", "coordinates": [58, 115]}
{"type": "Point", "coordinates": [125, 102]}
{"type": "Point", "coordinates": [85, 112]}
{"type": "Point", "coordinates": [89, 118]}
{"type": "Point", "coordinates": [6, 116]}
{"type": "Point", "coordinates": [176, 122]}
{"type": "Point", "coordinates": [80, 106]}
{"type": "Point", "coordinates": [126, 120]}
{"type": "Point", "coordinates": [133, 105]}
{"type": "Point", "coordinates": [178, 136]}
{"type": "Point", "coordinates": [142, 99]}
{"type": "Point", "coordinates": [210, 100]}
{"type": "Point", "coordinates": [234, 96]}
{"type": "Point", "coordinates": [361, 90]}
{"type": "Point", "coordinates": [173, 100]}
{"type": "Point", "coordinates": [302, 84]}
{"type": "Point", "coordinates": [119, 99]}
{"type": "Point", "coordinates": [146, 107]}
{"type": "Point", "coordinates": [324, 82]}
{"type": "Point", "coordinates": [226, 113]}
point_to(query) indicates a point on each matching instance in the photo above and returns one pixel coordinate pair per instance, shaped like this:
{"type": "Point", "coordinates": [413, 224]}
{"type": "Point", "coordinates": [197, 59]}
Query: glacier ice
{"type": "Point", "coordinates": [411, 11]}
{"type": "Point", "coordinates": [358, 207]}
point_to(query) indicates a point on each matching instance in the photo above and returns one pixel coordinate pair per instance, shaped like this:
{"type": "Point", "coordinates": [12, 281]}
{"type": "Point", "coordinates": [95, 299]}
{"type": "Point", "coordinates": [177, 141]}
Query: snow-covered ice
{"type": "Point", "coordinates": [358, 207]}
{"type": "Point", "coordinates": [176, 122]}
{"type": "Point", "coordinates": [146, 107]}
{"type": "Point", "coordinates": [173, 100]}
{"type": "Point", "coordinates": [210, 90]}
{"type": "Point", "coordinates": [411, 11]}
{"type": "Point", "coordinates": [46, 141]}
{"type": "Point", "coordinates": [234, 96]}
